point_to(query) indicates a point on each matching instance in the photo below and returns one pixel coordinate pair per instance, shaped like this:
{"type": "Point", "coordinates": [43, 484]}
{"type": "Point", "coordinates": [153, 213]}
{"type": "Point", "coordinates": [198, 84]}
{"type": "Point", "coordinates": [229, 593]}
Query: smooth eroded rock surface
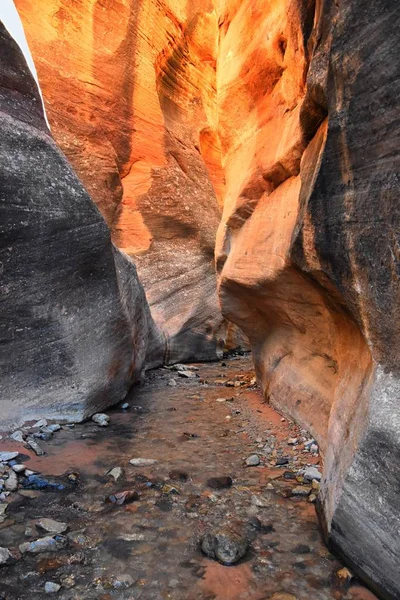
{"type": "Point", "coordinates": [75, 327]}
{"type": "Point", "coordinates": [130, 92]}
{"type": "Point", "coordinates": [289, 110]}
{"type": "Point", "coordinates": [308, 249]}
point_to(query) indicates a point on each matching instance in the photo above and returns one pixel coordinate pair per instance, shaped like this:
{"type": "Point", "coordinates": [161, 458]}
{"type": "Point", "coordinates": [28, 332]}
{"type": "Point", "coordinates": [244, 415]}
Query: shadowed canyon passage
{"type": "Point", "coordinates": [245, 154]}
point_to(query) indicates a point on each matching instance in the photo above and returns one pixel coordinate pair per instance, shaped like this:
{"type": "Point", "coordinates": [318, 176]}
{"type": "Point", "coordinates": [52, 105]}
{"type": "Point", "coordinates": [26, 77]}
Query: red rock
{"type": "Point", "coordinates": [130, 92]}
{"type": "Point", "coordinates": [50, 564]}
{"type": "Point", "coordinates": [361, 593]}
{"type": "Point", "coordinates": [306, 251]}
{"type": "Point", "coordinates": [289, 109]}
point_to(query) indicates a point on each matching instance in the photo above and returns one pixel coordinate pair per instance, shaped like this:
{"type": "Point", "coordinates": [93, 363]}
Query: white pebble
{"type": "Point", "coordinates": [17, 436]}
{"type": "Point", "coordinates": [50, 587]}
{"type": "Point", "coordinates": [142, 462]}
{"type": "Point", "coordinates": [18, 468]}
{"type": "Point", "coordinates": [101, 419]}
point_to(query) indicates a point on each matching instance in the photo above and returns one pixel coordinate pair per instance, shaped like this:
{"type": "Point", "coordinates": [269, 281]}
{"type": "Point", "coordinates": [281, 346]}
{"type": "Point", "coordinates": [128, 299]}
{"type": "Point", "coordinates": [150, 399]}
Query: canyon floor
{"type": "Point", "coordinates": [201, 430]}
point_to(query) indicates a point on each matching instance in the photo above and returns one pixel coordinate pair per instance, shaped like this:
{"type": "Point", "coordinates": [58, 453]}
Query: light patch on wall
{"type": "Point", "coordinates": [11, 21]}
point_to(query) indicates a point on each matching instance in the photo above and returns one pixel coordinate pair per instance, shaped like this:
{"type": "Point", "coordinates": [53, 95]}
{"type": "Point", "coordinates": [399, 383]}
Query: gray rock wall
{"type": "Point", "coordinates": [74, 322]}
{"type": "Point", "coordinates": [309, 245]}
{"type": "Point", "coordinates": [354, 212]}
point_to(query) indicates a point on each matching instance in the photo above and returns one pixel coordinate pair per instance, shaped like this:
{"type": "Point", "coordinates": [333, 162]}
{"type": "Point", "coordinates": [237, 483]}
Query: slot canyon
{"type": "Point", "coordinates": [200, 198]}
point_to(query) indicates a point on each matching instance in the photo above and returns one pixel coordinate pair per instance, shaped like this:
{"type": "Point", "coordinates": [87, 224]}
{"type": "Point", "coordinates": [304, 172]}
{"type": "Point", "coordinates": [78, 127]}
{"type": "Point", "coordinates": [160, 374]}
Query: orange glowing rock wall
{"type": "Point", "coordinates": [268, 117]}
{"type": "Point", "coordinates": [307, 249]}
{"type": "Point", "coordinates": [130, 90]}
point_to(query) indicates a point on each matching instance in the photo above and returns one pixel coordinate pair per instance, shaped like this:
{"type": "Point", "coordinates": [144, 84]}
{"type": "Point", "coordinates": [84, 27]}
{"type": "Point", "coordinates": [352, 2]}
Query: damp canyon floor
{"type": "Point", "coordinates": [149, 549]}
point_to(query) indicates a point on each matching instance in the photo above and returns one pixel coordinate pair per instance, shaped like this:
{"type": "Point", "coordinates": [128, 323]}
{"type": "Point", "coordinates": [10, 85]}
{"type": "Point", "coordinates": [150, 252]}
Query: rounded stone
{"type": "Point", "coordinates": [50, 587]}
{"type": "Point", "coordinates": [5, 556]}
{"type": "Point", "coordinates": [224, 545]}
{"type": "Point", "coordinates": [253, 461]}
{"type": "Point", "coordinates": [101, 419]}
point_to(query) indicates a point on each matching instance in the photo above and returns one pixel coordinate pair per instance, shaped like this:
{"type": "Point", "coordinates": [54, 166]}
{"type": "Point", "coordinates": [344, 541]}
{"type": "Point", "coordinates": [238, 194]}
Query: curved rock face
{"type": "Point", "coordinates": [289, 109]}
{"type": "Point", "coordinates": [130, 92]}
{"type": "Point", "coordinates": [308, 247]}
{"type": "Point", "coordinates": [75, 327]}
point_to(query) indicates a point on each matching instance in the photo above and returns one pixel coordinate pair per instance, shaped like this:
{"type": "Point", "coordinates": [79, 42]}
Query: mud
{"type": "Point", "coordinates": [149, 548]}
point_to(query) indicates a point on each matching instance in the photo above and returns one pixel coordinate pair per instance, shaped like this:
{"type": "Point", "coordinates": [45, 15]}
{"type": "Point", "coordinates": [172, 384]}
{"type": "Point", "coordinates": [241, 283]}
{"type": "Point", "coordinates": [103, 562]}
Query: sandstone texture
{"type": "Point", "coordinates": [74, 324]}
{"type": "Point", "coordinates": [130, 92]}
{"type": "Point", "coordinates": [308, 247]}
{"type": "Point", "coordinates": [279, 121]}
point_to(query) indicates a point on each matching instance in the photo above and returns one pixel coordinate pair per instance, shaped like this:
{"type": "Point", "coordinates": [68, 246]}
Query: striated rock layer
{"type": "Point", "coordinates": [75, 327]}
{"type": "Point", "coordinates": [130, 91]}
{"type": "Point", "coordinates": [288, 108]}
{"type": "Point", "coordinates": [308, 247]}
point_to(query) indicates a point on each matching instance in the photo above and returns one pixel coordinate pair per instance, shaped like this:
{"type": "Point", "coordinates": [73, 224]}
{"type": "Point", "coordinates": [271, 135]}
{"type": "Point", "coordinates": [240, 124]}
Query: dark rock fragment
{"type": "Point", "coordinates": [219, 483]}
{"type": "Point", "coordinates": [34, 482]}
{"type": "Point", "coordinates": [301, 549]}
{"type": "Point", "coordinates": [224, 545]}
{"type": "Point", "coordinates": [121, 498]}
{"type": "Point", "coordinates": [178, 476]}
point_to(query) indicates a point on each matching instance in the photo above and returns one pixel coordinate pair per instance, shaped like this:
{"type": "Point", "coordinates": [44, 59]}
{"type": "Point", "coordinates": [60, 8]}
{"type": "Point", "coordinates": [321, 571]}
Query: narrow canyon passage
{"type": "Point", "coordinates": [201, 430]}
{"type": "Point", "coordinates": [179, 178]}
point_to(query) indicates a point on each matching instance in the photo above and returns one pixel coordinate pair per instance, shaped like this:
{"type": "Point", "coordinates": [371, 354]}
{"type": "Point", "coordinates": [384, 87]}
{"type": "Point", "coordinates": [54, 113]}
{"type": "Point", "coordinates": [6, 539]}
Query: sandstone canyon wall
{"type": "Point", "coordinates": [308, 246]}
{"type": "Point", "coordinates": [130, 91]}
{"type": "Point", "coordinates": [75, 327]}
{"type": "Point", "coordinates": [288, 108]}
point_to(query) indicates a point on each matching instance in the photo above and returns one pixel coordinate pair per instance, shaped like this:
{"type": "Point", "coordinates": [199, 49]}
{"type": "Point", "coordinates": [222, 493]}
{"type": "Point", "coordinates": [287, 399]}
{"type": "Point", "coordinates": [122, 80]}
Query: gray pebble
{"type": "Point", "coordinates": [187, 374]}
{"type": "Point", "coordinates": [301, 491]}
{"type": "Point", "coordinates": [5, 556]}
{"type": "Point", "coordinates": [142, 462]}
{"type": "Point", "coordinates": [224, 545]}
{"type": "Point", "coordinates": [50, 587]}
{"type": "Point", "coordinates": [54, 428]}
{"type": "Point", "coordinates": [260, 501]}
{"type": "Point", "coordinates": [35, 447]}
{"type": "Point", "coordinates": [311, 473]}
{"type": "Point", "coordinates": [17, 436]}
{"type": "Point", "coordinates": [253, 460]}
{"type": "Point", "coordinates": [101, 419]}
{"type": "Point", "coordinates": [6, 456]}
{"type": "Point", "coordinates": [11, 483]}
{"type": "Point", "coordinates": [116, 473]}
{"type": "Point", "coordinates": [52, 526]}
